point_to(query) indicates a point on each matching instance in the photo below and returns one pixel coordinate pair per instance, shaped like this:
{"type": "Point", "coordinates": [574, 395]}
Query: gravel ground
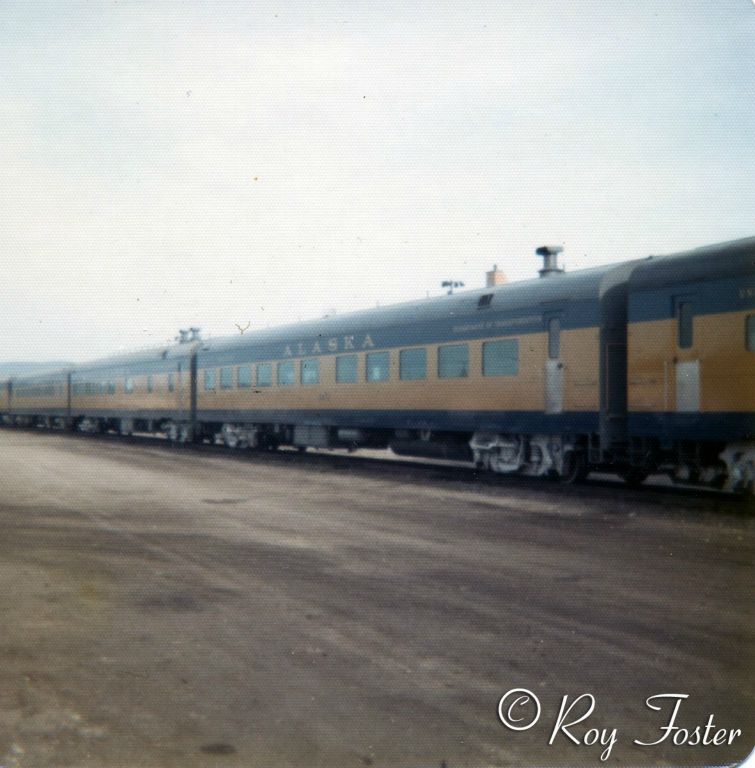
{"type": "Point", "coordinates": [169, 608]}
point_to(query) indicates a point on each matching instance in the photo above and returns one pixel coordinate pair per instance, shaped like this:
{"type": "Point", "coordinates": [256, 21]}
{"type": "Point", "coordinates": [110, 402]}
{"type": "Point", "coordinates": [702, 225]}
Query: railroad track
{"type": "Point", "coordinates": [388, 465]}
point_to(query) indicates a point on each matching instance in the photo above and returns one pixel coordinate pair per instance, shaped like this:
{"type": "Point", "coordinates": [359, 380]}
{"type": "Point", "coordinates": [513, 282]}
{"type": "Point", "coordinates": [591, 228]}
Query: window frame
{"type": "Point", "coordinates": [246, 383]}
{"type": "Point", "coordinates": [283, 365]}
{"type": "Point", "coordinates": [265, 368]}
{"type": "Point", "coordinates": [684, 314]}
{"type": "Point", "coordinates": [304, 366]}
{"type": "Point", "coordinates": [443, 349]}
{"type": "Point", "coordinates": [489, 345]}
{"type": "Point", "coordinates": [228, 370]}
{"type": "Point", "coordinates": [553, 331]}
{"type": "Point", "coordinates": [339, 377]}
{"type": "Point", "coordinates": [210, 379]}
{"type": "Point", "coordinates": [382, 354]}
{"type": "Point", "coordinates": [401, 366]}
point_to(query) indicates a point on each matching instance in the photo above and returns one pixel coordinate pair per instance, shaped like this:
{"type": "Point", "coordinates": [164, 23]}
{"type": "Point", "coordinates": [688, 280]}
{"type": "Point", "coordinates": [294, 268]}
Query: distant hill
{"type": "Point", "coordinates": [22, 369]}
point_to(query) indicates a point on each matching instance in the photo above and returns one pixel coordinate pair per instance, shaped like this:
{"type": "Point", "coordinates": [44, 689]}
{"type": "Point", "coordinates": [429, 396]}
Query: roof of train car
{"type": "Point", "coordinates": [731, 259]}
{"type": "Point", "coordinates": [537, 292]}
{"type": "Point", "coordinates": [151, 354]}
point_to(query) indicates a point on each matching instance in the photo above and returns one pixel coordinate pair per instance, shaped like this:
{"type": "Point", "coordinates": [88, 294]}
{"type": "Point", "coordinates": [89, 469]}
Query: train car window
{"type": "Point", "coordinates": [750, 333]}
{"type": "Point", "coordinates": [378, 366]}
{"type": "Point", "coordinates": [265, 375]}
{"type": "Point", "coordinates": [171, 383]}
{"type": "Point", "coordinates": [244, 376]}
{"type": "Point", "coordinates": [310, 371]}
{"type": "Point", "coordinates": [484, 300]}
{"type": "Point", "coordinates": [150, 384]}
{"type": "Point", "coordinates": [684, 316]}
{"type": "Point", "coordinates": [346, 369]}
{"type": "Point", "coordinates": [453, 361]}
{"type": "Point", "coordinates": [111, 387]}
{"type": "Point", "coordinates": [209, 379]}
{"type": "Point", "coordinates": [286, 374]}
{"type": "Point", "coordinates": [226, 378]}
{"type": "Point", "coordinates": [554, 338]}
{"type": "Point", "coordinates": [500, 358]}
{"type": "Point", "coordinates": [412, 364]}
{"type": "Point", "coordinates": [128, 385]}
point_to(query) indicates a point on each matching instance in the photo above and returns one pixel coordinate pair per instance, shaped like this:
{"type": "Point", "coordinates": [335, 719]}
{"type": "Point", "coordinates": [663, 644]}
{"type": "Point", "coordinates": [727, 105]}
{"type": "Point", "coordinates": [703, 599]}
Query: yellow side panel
{"type": "Point", "coordinates": [523, 392]}
{"type": "Point", "coordinates": [580, 355]}
{"type": "Point", "coordinates": [651, 347]}
{"type": "Point", "coordinates": [727, 369]}
{"type": "Point", "coordinates": [138, 400]}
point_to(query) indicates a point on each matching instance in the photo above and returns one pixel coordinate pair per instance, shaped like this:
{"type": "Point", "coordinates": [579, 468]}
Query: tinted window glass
{"type": "Point", "coordinates": [171, 383]}
{"type": "Point", "coordinates": [310, 371]}
{"type": "Point", "coordinates": [245, 376]}
{"type": "Point", "coordinates": [226, 378]}
{"type": "Point", "coordinates": [111, 387]}
{"type": "Point", "coordinates": [554, 338]}
{"type": "Point", "coordinates": [412, 364]}
{"type": "Point", "coordinates": [684, 316]}
{"type": "Point", "coordinates": [149, 384]}
{"type": "Point", "coordinates": [265, 375]}
{"type": "Point", "coordinates": [128, 385]}
{"type": "Point", "coordinates": [209, 380]}
{"type": "Point", "coordinates": [500, 358]}
{"type": "Point", "coordinates": [750, 333]}
{"type": "Point", "coordinates": [378, 366]}
{"type": "Point", "coordinates": [286, 374]}
{"type": "Point", "coordinates": [346, 369]}
{"type": "Point", "coordinates": [453, 361]}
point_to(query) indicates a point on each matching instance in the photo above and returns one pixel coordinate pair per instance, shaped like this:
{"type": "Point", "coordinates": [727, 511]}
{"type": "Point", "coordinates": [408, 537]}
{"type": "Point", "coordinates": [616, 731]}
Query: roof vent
{"type": "Point", "coordinates": [494, 277]}
{"type": "Point", "coordinates": [550, 259]}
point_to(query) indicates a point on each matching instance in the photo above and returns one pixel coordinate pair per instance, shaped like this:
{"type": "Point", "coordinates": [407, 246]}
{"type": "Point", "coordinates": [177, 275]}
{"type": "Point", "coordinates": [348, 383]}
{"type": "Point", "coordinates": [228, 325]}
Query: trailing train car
{"type": "Point", "coordinates": [691, 354]}
{"type": "Point", "coordinates": [640, 367]}
{"type": "Point", "coordinates": [39, 399]}
{"type": "Point", "coordinates": [148, 391]}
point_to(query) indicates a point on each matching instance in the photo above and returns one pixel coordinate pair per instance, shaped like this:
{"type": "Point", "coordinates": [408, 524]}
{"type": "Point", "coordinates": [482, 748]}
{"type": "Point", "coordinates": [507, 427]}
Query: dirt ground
{"type": "Point", "coordinates": [167, 608]}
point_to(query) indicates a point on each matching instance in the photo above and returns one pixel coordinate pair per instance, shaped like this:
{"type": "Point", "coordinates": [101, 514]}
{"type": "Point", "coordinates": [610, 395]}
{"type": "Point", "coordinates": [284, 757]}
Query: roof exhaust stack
{"type": "Point", "coordinates": [494, 277]}
{"type": "Point", "coordinates": [550, 259]}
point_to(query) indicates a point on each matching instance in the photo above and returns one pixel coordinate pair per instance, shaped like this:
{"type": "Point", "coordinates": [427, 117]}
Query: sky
{"type": "Point", "coordinates": [167, 164]}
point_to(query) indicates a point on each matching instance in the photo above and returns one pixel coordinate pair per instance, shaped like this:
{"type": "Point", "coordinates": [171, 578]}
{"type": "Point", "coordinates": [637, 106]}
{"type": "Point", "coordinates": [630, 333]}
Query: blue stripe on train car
{"type": "Point", "coordinates": [693, 426]}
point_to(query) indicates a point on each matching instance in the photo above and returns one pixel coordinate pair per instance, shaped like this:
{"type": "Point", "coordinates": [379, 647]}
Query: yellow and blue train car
{"type": "Point", "coordinates": [39, 399]}
{"type": "Point", "coordinates": [148, 391]}
{"type": "Point", "coordinates": [691, 357]}
{"type": "Point", "coordinates": [510, 376]}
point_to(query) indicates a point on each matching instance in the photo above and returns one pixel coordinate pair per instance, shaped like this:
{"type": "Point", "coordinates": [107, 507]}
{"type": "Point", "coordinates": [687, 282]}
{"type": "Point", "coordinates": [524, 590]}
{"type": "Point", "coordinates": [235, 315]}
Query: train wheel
{"type": "Point", "coordinates": [575, 468]}
{"type": "Point", "coordinates": [634, 477]}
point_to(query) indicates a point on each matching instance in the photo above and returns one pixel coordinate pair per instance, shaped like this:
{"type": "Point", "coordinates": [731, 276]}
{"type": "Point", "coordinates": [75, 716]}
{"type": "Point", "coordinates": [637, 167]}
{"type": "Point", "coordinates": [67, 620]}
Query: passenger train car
{"type": "Point", "coordinates": [635, 368]}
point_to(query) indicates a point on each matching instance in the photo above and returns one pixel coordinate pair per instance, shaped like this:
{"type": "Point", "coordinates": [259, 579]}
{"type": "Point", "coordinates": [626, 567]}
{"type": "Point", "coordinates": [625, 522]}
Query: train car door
{"type": "Point", "coordinates": [686, 371]}
{"type": "Point", "coordinates": [554, 367]}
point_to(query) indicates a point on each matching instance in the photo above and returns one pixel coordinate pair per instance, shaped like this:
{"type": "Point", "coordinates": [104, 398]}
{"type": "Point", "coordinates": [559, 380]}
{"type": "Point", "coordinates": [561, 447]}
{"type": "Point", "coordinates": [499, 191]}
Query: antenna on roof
{"type": "Point", "coordinates": [451, 284]}
{"type": "Point", "coordinates": [186, 335]}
